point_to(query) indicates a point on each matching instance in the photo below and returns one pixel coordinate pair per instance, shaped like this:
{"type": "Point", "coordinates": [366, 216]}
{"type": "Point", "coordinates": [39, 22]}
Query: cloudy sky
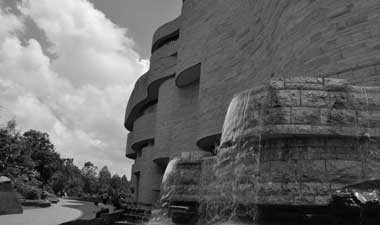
{"type": "Point", "coordinates": [67, 67]}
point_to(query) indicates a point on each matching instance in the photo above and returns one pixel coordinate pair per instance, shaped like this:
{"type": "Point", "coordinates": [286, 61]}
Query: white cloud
{"type": "Point", "coordinates": [78, 97]}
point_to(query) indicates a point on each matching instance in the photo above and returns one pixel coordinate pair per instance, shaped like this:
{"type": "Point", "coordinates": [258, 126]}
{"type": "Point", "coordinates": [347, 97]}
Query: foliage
{"type": "Point", "coordinates": [31, 161]}
{"type": "Point", "coordinates": [89, 172]}
{"type": "Point", "coordinates": [104, 179]}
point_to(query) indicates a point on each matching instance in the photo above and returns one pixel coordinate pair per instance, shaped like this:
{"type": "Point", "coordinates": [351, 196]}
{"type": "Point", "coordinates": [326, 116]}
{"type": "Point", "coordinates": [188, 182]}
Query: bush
{"type": "Point", "coordinates": [27, 191]}
{"type": "Point", "coordinates": [33, 193]}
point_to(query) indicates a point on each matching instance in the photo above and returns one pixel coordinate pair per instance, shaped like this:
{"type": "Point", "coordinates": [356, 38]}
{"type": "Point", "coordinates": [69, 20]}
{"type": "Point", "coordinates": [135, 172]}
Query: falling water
{"type": "Point", "coordinates": [292, 143]}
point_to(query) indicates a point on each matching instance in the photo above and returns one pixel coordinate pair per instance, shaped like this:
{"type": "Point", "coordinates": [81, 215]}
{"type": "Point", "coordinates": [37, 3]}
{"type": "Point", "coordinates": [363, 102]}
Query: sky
{"type": "Point", "coordinates": [68, 67]}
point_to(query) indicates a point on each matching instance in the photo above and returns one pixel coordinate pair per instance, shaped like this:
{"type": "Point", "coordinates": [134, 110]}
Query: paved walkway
{"type": "Point", "coordinates": [63, 211]}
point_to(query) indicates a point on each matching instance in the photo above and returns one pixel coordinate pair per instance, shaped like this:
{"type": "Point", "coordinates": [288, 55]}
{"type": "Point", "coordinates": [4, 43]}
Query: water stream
{"type": "Point", "coordinates": [290, 144]}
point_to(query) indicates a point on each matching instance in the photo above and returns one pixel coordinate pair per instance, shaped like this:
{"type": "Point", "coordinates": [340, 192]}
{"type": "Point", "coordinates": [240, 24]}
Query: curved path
{"type": "Point", "coordinates": [65, 210]}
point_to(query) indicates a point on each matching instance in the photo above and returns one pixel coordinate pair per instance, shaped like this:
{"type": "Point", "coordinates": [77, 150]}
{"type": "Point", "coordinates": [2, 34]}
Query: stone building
{"type": "Point", "coordinates": [217, 48]}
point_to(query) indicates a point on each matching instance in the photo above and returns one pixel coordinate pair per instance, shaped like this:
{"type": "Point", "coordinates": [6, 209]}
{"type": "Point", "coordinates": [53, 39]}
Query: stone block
{"type": "Point", "coordinates": [322, 200]}
{"type": "Point", "coordinates": [316, 188]}
{"type": "Point", "coordinates": [333, 84]}
{"type": "Point", "coordinates": [285, 98]}
{"type": "Point", "coordinates": [314, 98]}
{"type": "Point", "coordinates": [275, 193]}
{"type": "Point", "coordinates": [280, 115]}
{"type": "Point", "coordinates": [269, 188]}
{"type": "Point", "coordinates": [310, 80]}
{"type": "Point", "coordinates": [277, 83]}
{"type": "Point", "coordinates": [305, 83]}
{"type": "Point", "coordinates": [304, 199]}
{"type": "Point", "coordinates": [342, 117]}
{"type": "Point", "coordinates": [311, 171]}
{"type": "Point", "coordinates": [324, 113]}
{"type": "Point", "coordinates": [338, 100]}
{"type": "Point", "coordinates": [304, 86]}
{"type": "Point", "coordinates": [265, 172]}
{"type": "Point", "coordinates": [314, 153]}
{"type": "Point", "coordinates": [358, 101]}
{"type": "Point", "coordinates": [342, 171]}
{"type": "Point", "coordinates": [259, 100]}
{"type": "Point", "coordinates": [305, 115]}
{"type": "Point", "coordinates": [283, 171]}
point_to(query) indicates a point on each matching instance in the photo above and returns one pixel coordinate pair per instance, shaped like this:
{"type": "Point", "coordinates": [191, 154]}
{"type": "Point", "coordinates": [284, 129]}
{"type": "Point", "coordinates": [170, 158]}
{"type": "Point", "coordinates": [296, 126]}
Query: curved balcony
{"type": "Point", "coordinates": [162, 162]}
{"type": "Point", "coordinates": [209, 143]}
{"type": "Point", "coordinates": [169, 50]}
{"type": "Point", "coordinates": [166, 33]}
{"type": "Point", "coordinates": [188, 76]}
{"type": "Point", "coordinates": [146, 88]}
{"type": "Point", "coordinates": [143, 132]}
{"type": "Point", "coordinates": [129, 153]}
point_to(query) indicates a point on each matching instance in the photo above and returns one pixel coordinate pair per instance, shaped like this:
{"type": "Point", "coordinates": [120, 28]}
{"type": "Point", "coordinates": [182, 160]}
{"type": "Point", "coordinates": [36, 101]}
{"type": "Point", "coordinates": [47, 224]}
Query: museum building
{"type": "Point", "coordinates": [218, 48]}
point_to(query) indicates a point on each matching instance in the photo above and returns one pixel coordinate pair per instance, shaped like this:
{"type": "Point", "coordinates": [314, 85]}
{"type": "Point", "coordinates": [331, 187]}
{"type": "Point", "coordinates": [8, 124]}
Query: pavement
{"type": "Point", "coordinates": [65, 210]}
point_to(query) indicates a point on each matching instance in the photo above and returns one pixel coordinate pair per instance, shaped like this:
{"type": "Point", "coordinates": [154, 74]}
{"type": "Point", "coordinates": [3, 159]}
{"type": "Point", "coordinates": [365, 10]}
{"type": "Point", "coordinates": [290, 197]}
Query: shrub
{"type": "Point", "coordinates": [32, 193]}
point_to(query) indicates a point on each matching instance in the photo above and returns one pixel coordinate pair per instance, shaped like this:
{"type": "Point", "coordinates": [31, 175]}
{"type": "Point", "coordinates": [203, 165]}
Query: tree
{"type": "Point", "coordinates": [125, 187]}
{"type": "Point", "coordinates": [47, 161]}
{"type": "Point", "coordinates": [31, 161]}
{"type": "Point", "coordinates": [9, 149]}
{"type": "Point", "coordinates": [68, 178]}
{"type": "Point", "coordinates": [116, 182]}
{"type": "Point", "coordinates": [104, 179]}
{"type": "Point", "coordinates": [89, 178]}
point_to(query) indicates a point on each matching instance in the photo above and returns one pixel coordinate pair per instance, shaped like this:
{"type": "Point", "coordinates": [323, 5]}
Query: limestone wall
{"type": "Point", "coordinates": [177, 124]}
{"type": "Point", "coordinates": [243, 44]}
{"type": "Point", "coordinates": [150, 177]}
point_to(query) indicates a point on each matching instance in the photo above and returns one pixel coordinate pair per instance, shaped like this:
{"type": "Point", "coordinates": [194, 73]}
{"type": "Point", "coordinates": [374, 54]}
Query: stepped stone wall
{"type": "Point", "coordinates": [297, 140]}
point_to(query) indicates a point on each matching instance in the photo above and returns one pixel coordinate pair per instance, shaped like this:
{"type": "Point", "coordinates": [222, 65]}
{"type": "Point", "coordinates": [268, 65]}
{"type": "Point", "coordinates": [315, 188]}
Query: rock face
{"type": "Point", "coordinates": [285, 149]}
{"type": "Point", "coordinates": [8, 200]}
{"type": "Point", "coordinates": [181, 181]}
{"type": "Point", "coordinates": [297, 140]}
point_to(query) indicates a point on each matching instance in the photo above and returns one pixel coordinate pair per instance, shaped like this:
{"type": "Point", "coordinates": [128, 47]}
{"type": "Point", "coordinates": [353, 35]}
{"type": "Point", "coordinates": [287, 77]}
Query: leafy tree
{"type": "Point", "coordinates": [104, 179]}
{"type": "Point", "coordinates": [42, 153]}
{"type": "Point", "coordinates": [31, 161]}
{"type": "Point", "coordinates": [68, 178]}
{"type": "Point", "coordinates": [9, 149]}
{"type": "Point", "coordinates": [89, 178]}
{"type": "Point", "coordinates": [125, 187]}
{"type": "Point", "coordinates": [115, 182]}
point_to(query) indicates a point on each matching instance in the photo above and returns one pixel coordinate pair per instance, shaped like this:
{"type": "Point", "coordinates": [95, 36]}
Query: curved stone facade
{"type": "Point", "coordinates": [216, 49]}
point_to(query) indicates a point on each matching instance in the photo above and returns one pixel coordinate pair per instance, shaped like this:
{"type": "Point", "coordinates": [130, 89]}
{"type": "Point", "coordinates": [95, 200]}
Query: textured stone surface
{"type": "Point", "coordinates": [243, 44]}
{"type": "Point", "coordinates": [308, 142]}
{"type": "Point", "coordinates": [146, 177]}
